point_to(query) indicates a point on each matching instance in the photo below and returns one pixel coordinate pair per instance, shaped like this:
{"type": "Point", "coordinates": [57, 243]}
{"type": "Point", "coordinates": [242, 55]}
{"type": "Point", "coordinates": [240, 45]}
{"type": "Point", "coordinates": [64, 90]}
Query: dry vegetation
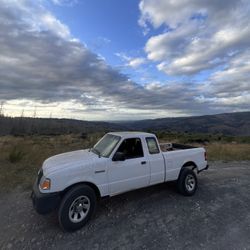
{"type": "Point", "coordinates": [21, 157]}
{"type": "Point", "coordinates": [228, 151]}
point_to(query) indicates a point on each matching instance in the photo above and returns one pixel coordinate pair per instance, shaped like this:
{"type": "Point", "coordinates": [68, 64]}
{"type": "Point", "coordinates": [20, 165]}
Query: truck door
{"type": "Point", "coordinates": [133, 171]}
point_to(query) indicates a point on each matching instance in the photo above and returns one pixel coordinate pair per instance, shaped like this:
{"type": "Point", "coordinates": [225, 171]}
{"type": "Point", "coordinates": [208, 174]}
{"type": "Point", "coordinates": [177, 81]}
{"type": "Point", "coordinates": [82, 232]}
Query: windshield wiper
{"type": "Point", "coordinates": [94, 150]}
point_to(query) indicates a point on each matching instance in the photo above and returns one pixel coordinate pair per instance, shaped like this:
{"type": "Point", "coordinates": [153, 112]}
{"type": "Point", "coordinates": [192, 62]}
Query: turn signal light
{"type": "Point", "coordinates": [45, 184]}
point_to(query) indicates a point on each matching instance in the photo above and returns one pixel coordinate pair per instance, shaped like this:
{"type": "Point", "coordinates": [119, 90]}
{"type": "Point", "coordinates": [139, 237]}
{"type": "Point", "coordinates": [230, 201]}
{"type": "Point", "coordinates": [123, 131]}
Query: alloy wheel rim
{"type": "Point", "coordinates": [190, 182]}
{"type": "Point", "coordinates": [79, 209]}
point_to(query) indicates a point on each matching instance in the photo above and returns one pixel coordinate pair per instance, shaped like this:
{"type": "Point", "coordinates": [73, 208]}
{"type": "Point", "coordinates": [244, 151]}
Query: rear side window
{"type": "Point", "coordinates": [152, 145]}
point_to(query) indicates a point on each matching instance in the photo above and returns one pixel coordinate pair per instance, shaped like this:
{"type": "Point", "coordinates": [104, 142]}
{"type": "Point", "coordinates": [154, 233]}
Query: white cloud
{"type": "Point", "coordinates": [136, 62]}
{"type": "Point", "coordinates": [42, 64]}
{"type": "Point", "coordinates": [36, 18]}
{"type": "Point", "coordinates": [48, 21]}
{"type": "Point", "coordinates": [65, 2]}
{"type": "Point", "coordinates": [177, 12]}
{"type": "Point", "coordinates": [204, 33]}
{"type": "Point", "coordinates": [234, 79]}
{"type": "Point", "coordinates": [161, 47]}
{"type": "Point", "coordinates": [228, 88]}
{"type": "Point", "coordinates": [133, 62]}
{"type": "Point", "coordinates": [46, 65]}
{"type": "Point", "coordinates": [123, 56]}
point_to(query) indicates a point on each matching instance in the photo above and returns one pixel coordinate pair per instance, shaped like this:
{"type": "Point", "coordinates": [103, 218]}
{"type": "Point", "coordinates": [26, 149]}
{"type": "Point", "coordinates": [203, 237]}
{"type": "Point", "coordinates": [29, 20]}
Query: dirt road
{"type": "Point", "coordinates": [217, 217]}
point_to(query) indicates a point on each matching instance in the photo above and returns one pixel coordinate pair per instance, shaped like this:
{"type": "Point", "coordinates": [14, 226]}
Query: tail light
{"type": "Point", "coordinates": [205, 155]}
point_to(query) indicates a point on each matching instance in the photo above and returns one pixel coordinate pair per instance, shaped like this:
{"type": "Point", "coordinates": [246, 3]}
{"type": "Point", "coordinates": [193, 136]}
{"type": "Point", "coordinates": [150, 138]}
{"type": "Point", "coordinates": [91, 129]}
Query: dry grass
{"type": "Point", "coordinates": [228, 151]}
{"type": "Point", "coordinates": [21, 157]}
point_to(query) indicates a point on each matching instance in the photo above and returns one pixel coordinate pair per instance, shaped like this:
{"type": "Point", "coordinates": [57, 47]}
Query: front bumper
{"type": "Point", "coordinates": [44, 202]}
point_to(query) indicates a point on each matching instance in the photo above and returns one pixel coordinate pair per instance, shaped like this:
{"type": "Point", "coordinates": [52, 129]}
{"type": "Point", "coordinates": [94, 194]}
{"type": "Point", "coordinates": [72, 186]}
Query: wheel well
{"type": "Point", "coordinates": [93, 186]}
{"type": "Point", "coordinates": [190, 164]}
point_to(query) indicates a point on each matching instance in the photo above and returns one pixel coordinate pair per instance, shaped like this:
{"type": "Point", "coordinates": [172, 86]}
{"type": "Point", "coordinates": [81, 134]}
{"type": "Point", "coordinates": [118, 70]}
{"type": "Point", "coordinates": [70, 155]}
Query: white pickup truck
{"type": "Point", "coordinates": [121, 161]}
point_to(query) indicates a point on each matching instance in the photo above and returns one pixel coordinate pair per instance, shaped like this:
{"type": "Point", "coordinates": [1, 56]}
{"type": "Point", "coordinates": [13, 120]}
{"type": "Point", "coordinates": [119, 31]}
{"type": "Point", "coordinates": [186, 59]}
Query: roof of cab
{"type": "Point", "coordinates": [131, 133]}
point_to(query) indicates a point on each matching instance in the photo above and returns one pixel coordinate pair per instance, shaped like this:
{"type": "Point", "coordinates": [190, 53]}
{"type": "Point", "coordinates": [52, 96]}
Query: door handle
{"type": "Point", "coordinates": [143, 162]}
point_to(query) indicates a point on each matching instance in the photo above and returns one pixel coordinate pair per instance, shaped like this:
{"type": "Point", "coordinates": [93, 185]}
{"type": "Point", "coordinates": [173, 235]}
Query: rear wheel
{"type": "Point", "coordinates": [187, 182]}
{"type": "Point", "coordinates": [77, 207]}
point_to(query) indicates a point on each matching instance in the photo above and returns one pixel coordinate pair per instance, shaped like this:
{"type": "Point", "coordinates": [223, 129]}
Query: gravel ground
{"type": "Point", "coordinates": [216, 217]}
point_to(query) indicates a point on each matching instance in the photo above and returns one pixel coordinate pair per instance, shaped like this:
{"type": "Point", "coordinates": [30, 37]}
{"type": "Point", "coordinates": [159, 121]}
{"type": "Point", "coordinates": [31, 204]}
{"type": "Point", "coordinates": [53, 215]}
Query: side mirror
{"type": "Point", "coordinates": [119, 156]}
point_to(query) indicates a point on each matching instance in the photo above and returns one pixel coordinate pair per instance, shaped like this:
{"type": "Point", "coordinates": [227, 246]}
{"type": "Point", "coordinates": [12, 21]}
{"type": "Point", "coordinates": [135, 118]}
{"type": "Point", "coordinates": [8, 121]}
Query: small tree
{"type": "Point", "coordinates": [2, 109]}
{"type": "Point", "coordinates": [34, 113]}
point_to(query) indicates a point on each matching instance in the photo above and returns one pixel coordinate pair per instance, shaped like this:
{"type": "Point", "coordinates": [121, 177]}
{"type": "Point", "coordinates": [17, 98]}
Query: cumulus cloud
{"type": "Point", "coordinates": [232, 82]}
{"type": "Point", "coordinates": [228, 89]}
{"type": "Point", "coordinates": [200, 34]}
{"type": "Point", "coordinates": [42, 63]}
{"type": "Point", "coordinates": [174, 13]}
{"type": "Point", "coordinates": [133, 62]}
{"type": "Point", "coordinates": [136, 62]}
{"type": "Point", "coordinates": [49, 22]}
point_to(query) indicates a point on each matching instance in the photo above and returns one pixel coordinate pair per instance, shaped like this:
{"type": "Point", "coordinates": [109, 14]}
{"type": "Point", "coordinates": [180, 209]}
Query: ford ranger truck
{"type": "Point", "coordinates": [71, 183]}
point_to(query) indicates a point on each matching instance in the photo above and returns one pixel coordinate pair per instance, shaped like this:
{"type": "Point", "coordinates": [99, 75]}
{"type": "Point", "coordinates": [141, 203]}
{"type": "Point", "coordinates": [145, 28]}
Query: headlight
{"type": "Point", "coordinates": [45, 183]}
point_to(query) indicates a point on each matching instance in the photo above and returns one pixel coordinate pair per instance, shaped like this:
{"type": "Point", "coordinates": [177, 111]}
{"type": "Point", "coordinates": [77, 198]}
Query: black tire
{"type": "Point", "coordinates": [187, 182]}
{"type": "Point", "coordinates": [79, 200]}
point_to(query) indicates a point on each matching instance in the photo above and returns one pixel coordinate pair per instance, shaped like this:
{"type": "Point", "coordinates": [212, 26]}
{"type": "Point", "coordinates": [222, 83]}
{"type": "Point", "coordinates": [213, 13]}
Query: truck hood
{"type": "Point", "coordinates": [70, 159]}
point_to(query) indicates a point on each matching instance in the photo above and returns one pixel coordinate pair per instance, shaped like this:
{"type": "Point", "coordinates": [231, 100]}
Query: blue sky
{"type": "Point", "coordinates": [112, 20]}
{"type": "Point", "coordinates": [117, 60]}
{"type": "Point", "coordinates": [109, 28]}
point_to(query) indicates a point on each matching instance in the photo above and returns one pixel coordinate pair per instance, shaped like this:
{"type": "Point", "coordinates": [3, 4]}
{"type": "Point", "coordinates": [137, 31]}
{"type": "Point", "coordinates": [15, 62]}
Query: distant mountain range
{"type": "Point", "coordinates": [236, 124]}
{"type": "Point", "coordinates": [52, 126]}
{"type": "Point", "coordinates": [226, 124]}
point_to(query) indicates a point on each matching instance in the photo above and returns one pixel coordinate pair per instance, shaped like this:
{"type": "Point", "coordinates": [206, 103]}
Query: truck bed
{"type": "Point", "coordinates": [165, 147]}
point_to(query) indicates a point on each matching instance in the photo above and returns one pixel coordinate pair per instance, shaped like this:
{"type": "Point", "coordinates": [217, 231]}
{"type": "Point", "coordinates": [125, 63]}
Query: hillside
{"type": "Point", "coordinates": [235, 124]}
{"type": "Point", "coordinates": [51, 126]}
{"type": "Point", "coordinates": [227, 124]}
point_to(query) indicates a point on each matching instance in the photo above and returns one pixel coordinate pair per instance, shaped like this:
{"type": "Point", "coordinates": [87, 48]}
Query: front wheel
{"type": "Point", "coordinates": [77, 207]}
{"type": "Point", "coordinates": [187, 182]}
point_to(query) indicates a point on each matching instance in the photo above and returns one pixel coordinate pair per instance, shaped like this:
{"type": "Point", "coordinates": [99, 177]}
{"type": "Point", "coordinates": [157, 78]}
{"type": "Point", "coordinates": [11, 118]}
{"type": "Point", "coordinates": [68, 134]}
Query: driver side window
{"type": "Point", "coordinates": [131, 148]}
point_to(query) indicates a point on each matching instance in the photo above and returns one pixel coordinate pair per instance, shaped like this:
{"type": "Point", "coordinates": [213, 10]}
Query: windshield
{"type": "Point", "coordinates": [106, 145]}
